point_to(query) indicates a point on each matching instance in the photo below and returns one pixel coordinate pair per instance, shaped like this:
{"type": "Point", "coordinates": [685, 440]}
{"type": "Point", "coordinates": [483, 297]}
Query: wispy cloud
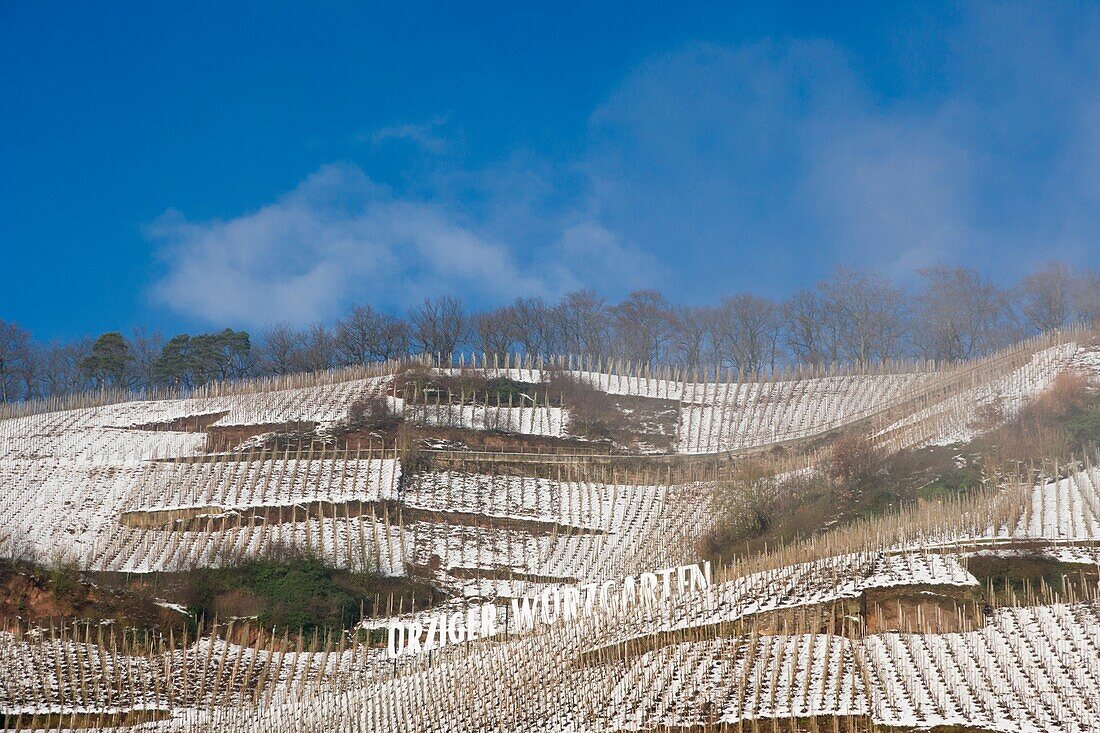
{"type": "Point", "coordinates": [765, 164]}
{"type": "Point", "coordinates": [335, 238]}
{"type": "Point", "coordinates": [426, 135]}
{"type": "Point", "coordinates": [339, 238]}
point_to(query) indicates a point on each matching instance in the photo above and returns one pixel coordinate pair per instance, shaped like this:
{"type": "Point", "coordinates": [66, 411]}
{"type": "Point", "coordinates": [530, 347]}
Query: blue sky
{"type": "Point", "coordinates": [184, 166]}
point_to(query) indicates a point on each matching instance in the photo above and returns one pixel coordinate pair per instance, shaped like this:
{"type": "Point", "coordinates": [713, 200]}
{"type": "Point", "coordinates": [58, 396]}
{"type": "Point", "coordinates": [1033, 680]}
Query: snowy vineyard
{"type": "Point", "coordinates": [748, 649]}
{"type": "Point", "coordinates": [141, 486]}
{"type": "Point", "coordinates": [1025, 668]}
{"type": "Point", "coordinates": [136, 486]}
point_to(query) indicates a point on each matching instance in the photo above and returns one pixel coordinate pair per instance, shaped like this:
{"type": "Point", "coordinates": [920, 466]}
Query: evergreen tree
{"type": "Point", "coordinates": [107, 364]}
{"type": "Point", "coordinates": [189, 361]}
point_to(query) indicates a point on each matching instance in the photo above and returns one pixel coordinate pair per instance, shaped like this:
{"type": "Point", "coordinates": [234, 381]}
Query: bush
{"type": "Point", "coordinates": [64, 578]}
{"type": "Point", "coordinates": [1084, 426]}
{"type": "Point", "coordinates": [371, 414]}
{"type": "Point", "coordinates": [291, 591]}
{"type": "Point", "coordinates": [420, 385]}
{"type": "Point", "coordinates": [855, 465]}
{"type": "Point", "coordinates": [1068, 393]}
{"type": "Point", "coordinates": [468, 387]}
{"type": "Point", "coordinates": [410, 450]}
{"type": "Point", "coordinates": [743, 507]}
{"type": "Point", "coordinates": [747, 503]}
{"type": "Point", "coordinates": [502, 392]}
{"type": "Point", "coordinates": [1075, 406]}
{"type": "Point", "coordinates": [989, 416]}
{"type": "Point", "coordinates": [757, 508]}
{"type": "Point", "coordinates": [592, 412]}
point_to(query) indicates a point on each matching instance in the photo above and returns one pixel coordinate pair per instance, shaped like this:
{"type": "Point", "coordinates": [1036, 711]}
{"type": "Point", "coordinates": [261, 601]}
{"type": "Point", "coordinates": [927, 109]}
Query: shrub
{"type": "Point", "coordinates": [291, 590]}
{"type": "Point", "coordinates": [502, 392]}
{"type": "Point", "coordinates": [420, 385]}
{"type": "Point", "coordinates": [854, 466]}
{"type": "Point", "coordinates": [1084, 426]}
{"type": "Point", "coordinates": [747, 502]}
{"type": "Point", "coordinates": [592, 412]}
{"type": "Point", "coordinates": [953, 482]}
{"type": "Point", "coordinates": [64, 578]}
{"type": "Point", "coordinates": [372, 414]}
{"type": "Point", "coordinates": [409, 449]}
{"type": "Point", "coordinates": [415, 382]}
{"type": "Point", "coordinates": [989, 416]}
{"type": "Point", "coordinates": [744, 507]}
{"type": "Point", "coordinates": [1068, 393]}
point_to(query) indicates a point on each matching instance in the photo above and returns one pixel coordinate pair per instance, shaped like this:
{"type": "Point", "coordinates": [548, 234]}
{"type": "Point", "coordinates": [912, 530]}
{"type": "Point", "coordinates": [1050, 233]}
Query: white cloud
{"type": "Point", "coordinates": [339, 239]}
{"type": "Point", "coordinates": [891, 191]}
{"type": "Point", "coordinates": [335, 239]}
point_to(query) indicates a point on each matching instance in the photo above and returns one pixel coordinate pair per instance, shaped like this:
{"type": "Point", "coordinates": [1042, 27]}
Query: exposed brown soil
{"type": "Point", "coordinates": [186, 424]}
{"type": "Point", "coordinates": [38, 596]}
{"type": "Point", "coordinates": [927, 609]}
{"type": "Point", "coordinates": [229, 437]}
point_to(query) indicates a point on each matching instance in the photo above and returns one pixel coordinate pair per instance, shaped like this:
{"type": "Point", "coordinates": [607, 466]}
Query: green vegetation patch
{"type": "Point", "coordinates": [471, 387]}
{"type": "Point", "coordinates": [298, 592]}
{"type": "Point", "coordinates": [1020, 572]}
{"type": "Point", "coordinates": [953, 482]}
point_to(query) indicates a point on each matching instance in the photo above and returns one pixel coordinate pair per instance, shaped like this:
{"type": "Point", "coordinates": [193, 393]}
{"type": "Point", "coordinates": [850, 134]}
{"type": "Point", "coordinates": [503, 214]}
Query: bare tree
{"type": "Point", "coordinates": [870, 314]}
{"type": "Point", "coordinates": [439, 325]}
{"type": "Point", "coordinates": [57, 367]}
{"type": "Point", "coordinates": [960, 315]}
{"type": "Point", "coordinates": [585, 323]}
{"type": "Point", "coordinates": [747, 327]}
{"type": "Point", "coordinates": [279, 349]}
{"type": "Point", "coordinates": [367, 335]}
{"type": "Point", "coordinates": [1046, 297]}
{"type": "Point", "coordinates": [691, 335]}
{"type": "Point", "coordinates": [642, 325]}
{"type": "Point", "coordinates": [1086, 296]}
{"type": "Point", "coordinates": [493, 332]}
{"type": "Point", "coordinates": [145, 348]}
{"type": "Point", "coordinates": [15, 361]}
{"type": "Point", "coordinates": [809, 329]}
{"type": "Point", "coordinates": [535, 325]}
{"type": "Point", "coordinates": [318, 350]}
